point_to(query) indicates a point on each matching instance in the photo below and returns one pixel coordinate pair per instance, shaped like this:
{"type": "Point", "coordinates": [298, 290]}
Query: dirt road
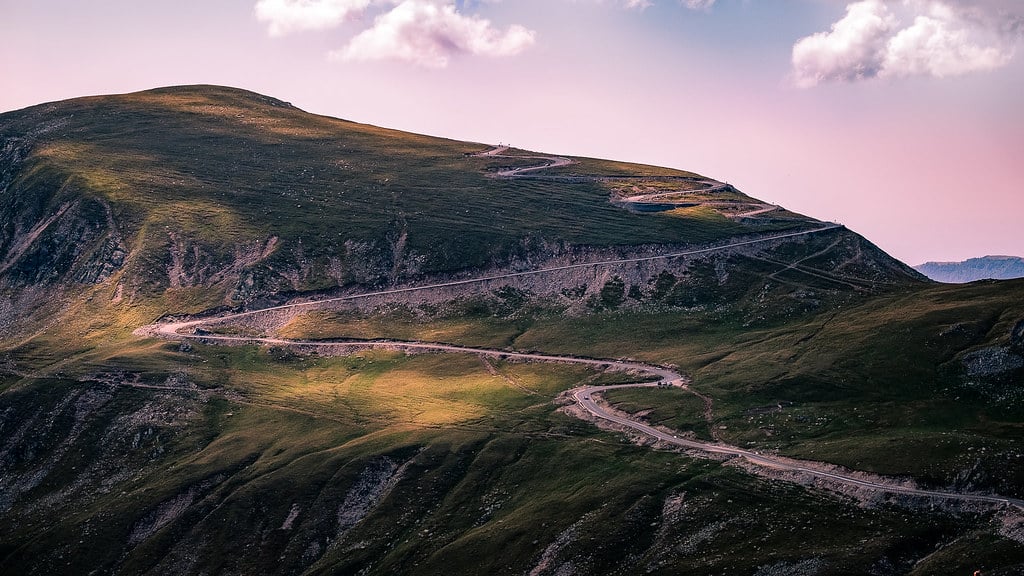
{"type": "Point", "coordinates": [583, 396]}
{"type": "Point", "coordinates": [171, 329]}
{"type": "Point", "coordinates": [546, 162]}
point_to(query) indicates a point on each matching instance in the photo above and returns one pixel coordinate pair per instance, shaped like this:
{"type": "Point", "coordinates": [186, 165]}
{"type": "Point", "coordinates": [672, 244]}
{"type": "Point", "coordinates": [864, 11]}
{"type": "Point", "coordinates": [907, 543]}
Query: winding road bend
{"type": "Point", "coordinates": [584, 396]}
{"type": "Point", "coordinates": [547, 162]}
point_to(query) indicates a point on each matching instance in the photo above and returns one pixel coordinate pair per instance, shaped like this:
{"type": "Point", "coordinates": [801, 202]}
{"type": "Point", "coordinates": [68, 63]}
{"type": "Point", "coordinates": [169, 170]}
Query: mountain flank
{"type": "Point", "coordinates": [236, 199]}
{"type": "Point", "coordinates": [239, 338]}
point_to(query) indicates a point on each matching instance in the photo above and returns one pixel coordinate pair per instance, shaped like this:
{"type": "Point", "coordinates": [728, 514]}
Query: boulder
{"type": "Point", "coordinates": [992, 361]}
{"type": "Point", "coordinates": [1017, 336]}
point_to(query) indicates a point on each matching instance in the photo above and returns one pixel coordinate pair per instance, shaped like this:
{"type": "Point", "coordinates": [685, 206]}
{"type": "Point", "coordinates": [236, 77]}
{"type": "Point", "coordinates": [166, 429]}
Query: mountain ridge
{"type": "Point", "coordinates": [972, 269]}
{"type": "Point", "coordinates": [243, 197]}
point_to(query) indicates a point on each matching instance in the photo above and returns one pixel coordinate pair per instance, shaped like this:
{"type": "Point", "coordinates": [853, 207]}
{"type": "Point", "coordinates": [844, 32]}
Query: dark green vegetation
{"type": "Point", "coordinates": [125, 455]}
{"type": "Point", "coordinates": [673, 408]}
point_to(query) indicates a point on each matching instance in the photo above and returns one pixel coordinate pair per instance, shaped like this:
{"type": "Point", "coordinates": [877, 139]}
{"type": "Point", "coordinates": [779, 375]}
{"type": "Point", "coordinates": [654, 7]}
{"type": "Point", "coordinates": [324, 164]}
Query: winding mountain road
{"type": "Point", "coordinates": [712, 186]}
{"type": "Point", "coordinates": [584, 396]}
{"type": "Point", "coordinates": [547, 162]}
{"type": "Point", "coordinates": [169, 329]}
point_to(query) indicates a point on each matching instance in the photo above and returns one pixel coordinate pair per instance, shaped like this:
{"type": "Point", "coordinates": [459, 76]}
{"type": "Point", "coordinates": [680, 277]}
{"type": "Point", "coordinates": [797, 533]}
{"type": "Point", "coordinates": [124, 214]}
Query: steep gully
{"type": "Point", "coordinates": [584, 396]}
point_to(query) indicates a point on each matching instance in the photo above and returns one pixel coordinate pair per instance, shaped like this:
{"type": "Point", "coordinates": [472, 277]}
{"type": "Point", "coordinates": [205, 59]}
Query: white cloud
{"type": "Point", "coordinates": [698, 4]}
{"type": "Point", "coordinates": [944, 39]}
{"type": "Point", "coordinates": [638, 4]}
{"type": "Point", "coordinates": [936, 45]}
{"type": "Point", "coordinates": [627, 4]}
{"type": "Point", "coordinates": [429, 34]}
{"type": "Point", "coordinates": [691, 4]}
{"type": "Point", "coordinates": [284, 16]}
{"type": "Point", "coordinates": [643, 4]}
{"type": "Point", "coordinates": [853, 49]}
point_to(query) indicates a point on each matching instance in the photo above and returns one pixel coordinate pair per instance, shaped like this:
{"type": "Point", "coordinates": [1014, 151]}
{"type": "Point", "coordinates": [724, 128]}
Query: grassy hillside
{"type": "Point", "coordinates": [263, 461]}
{"type": "Point", "coordinates": [116, 210]}
{"type": "Point", "coordinates": [203, 186]}
{"type": "Point", "coordinates": [191, 198]}
{"type": "Point", "coordinates": [896, 383]}
{"type": "Point", "coordinates": [126, 455]}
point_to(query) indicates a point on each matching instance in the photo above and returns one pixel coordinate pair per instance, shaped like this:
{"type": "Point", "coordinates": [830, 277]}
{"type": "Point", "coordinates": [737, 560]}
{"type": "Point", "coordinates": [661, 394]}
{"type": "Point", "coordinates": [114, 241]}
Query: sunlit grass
{"type": "Point", "coordinates": [122, 177]}
{"type": "Point", "coordinates": [401, 325]}
{"type": "Point", "coordinates": [704, 213]}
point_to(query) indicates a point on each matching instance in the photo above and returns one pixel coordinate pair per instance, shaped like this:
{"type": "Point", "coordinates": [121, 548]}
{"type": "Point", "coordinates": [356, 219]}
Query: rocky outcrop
{"type": "Point", "coordinates": [168, 511]}
{"type": "Point", "coordinates": [1017, 337]}
{"type": "Point", "coordinates": [52, 233]}
{"type": "Point", "coordinates": [377, 479]}
{"type": "Point", "coordinates": [997, 371]}
{"type": "Point", "coordinates": [992, 361]}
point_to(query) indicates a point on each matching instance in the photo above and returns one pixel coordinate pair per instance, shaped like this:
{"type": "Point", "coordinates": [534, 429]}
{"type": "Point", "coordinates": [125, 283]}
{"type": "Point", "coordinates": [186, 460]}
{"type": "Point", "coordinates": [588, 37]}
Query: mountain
{"type": "Point", "coordinates": [242, 196]}
{"type": "Point", "coordinates": [241, 338]}
{"type": "Point", "coordinates": [986, 268]}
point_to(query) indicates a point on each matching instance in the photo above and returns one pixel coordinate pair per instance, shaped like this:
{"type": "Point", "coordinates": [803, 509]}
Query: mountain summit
{"type": "Point", "coordinates": [239, 197]}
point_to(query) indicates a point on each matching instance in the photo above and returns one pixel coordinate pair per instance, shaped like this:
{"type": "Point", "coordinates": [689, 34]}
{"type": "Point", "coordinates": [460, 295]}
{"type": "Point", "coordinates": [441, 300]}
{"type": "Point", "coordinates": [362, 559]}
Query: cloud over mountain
{"type": "Point", "coordinates": [424, 32]}
{"type": "Point", "coordinates": [429, 34]}
{"type": "Point", "coordinates": [285, 16]}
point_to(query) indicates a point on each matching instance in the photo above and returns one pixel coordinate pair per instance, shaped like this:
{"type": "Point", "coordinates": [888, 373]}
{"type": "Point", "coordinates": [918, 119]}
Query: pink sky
{"type": "Point", "coordinates": [900, 119]}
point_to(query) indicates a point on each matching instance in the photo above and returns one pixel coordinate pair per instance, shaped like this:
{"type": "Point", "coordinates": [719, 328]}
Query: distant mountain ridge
{"type": "Point", "coordinates": [987, 267]}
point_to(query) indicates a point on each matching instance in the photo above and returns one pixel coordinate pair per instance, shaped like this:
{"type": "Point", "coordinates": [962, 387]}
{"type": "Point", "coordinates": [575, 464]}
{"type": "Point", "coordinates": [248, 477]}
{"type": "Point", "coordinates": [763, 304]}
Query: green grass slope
{"type": "Point", "coordinates": [923, 381]}
{"type": "Point", "coordinates": [217, 187]}
{"type": "Point", "coordinates": [262, 461]}
{"type": "Point", "coordinates": [124, 455]}
{"type": "Point", "coordinates": [116, 210]}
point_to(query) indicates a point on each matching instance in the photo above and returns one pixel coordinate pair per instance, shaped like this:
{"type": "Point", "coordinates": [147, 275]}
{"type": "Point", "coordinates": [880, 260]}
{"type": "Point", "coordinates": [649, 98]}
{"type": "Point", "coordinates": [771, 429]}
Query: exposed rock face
{"type": "Point", "coordinates": [377, 479]}
{"type": "Point", "coordinates": [1017, 337]}
{"type": "Point", "coordinates": [989, 267]}
{"type": "Point", "coordinates": [998, 371]}
{"type": "Point", "coordinates": [168, 511]}
{"type": "Point", "coordinates": [36, 447]}
{"type": "Point", "coordinates": [50, 232]}
{"type": "Point", "coordinates": [991, 361]}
